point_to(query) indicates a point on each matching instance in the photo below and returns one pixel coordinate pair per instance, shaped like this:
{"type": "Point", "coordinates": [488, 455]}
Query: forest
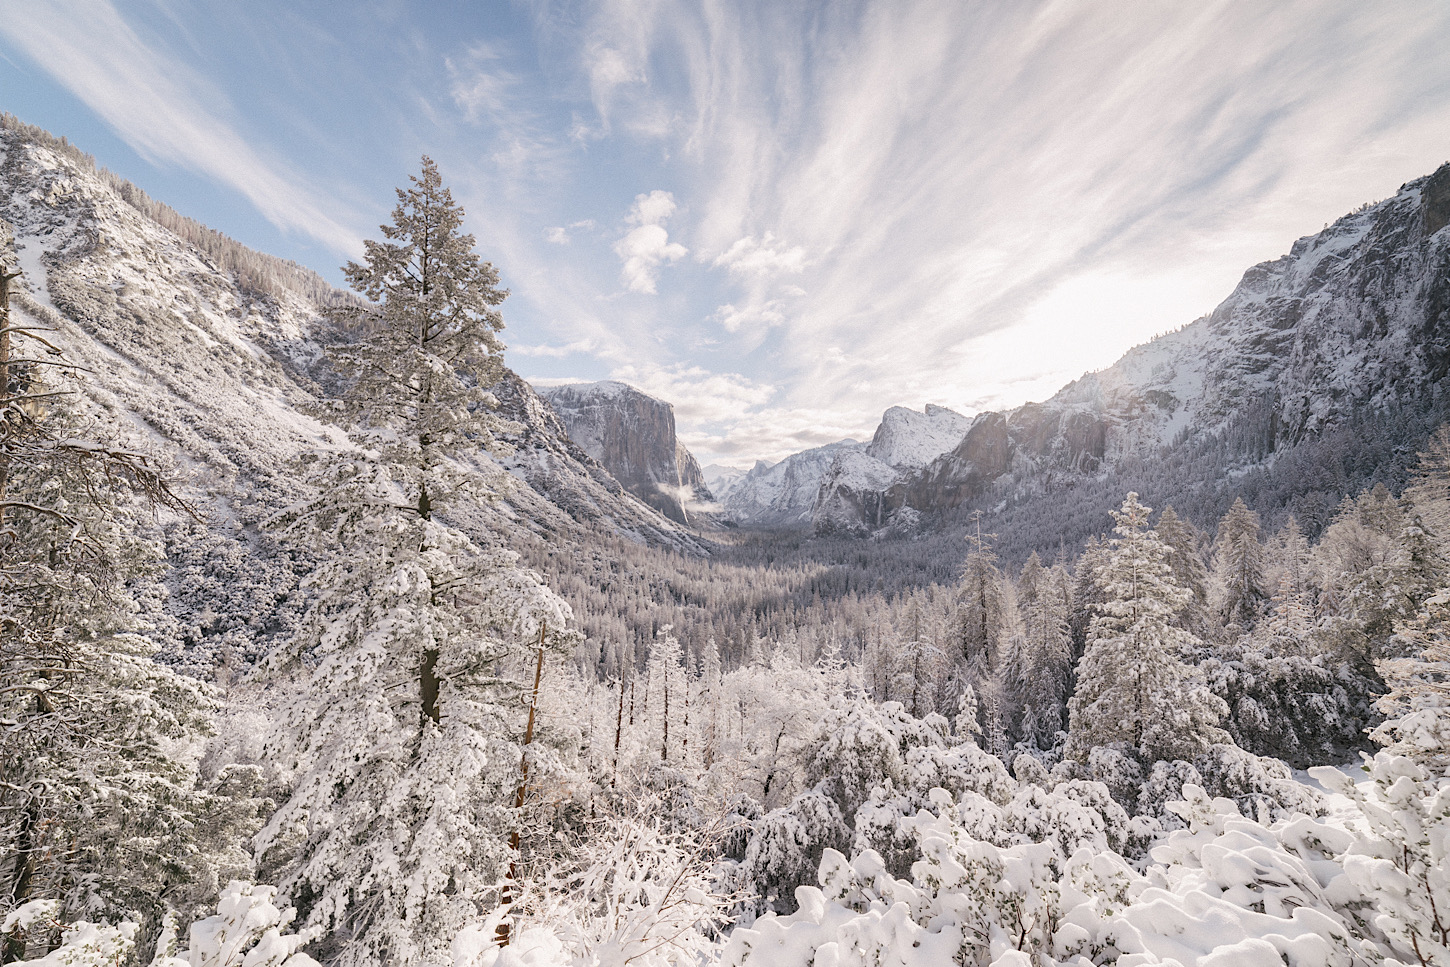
{"type": "Point", "coordinates": [442, 745]}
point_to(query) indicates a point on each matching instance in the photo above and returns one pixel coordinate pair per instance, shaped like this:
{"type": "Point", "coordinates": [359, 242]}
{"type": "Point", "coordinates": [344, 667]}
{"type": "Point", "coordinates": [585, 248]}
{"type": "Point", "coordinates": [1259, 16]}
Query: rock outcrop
{"type": "Point", "coordinates": [632, 434]}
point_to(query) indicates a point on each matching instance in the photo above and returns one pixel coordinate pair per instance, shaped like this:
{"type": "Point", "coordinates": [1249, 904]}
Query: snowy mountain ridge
{"type": "Point", "coordinates": [1354, 319]}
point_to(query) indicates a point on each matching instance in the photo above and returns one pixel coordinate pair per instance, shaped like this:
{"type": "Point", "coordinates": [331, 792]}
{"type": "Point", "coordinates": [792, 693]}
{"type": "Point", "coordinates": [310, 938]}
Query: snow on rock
{"type": "Point", "coordinates": [908, 439]}
{"type": "Point", "coordinates": [721, 479]}
{"type": "Point", "coordinates": [783, 494]}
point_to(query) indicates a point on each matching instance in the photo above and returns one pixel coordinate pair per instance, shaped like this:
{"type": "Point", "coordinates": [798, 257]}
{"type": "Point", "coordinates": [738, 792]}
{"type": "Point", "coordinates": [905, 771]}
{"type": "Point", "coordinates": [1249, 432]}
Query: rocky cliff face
{"type": "Point", "coordinates": [1353, 320]}
{"type": "Point", "coordinates": [633, 435]}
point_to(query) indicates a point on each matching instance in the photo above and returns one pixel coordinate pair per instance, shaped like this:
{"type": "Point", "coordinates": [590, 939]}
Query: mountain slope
{"type": "Point", "coordinates": [211, 359]}
{"type": "Point", "coordinates": [1350, 329]}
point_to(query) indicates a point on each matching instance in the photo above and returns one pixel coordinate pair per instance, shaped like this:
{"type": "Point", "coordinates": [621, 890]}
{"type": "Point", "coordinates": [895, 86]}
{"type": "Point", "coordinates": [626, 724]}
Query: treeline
{"type": "Point", "coordinates": [256, 272]}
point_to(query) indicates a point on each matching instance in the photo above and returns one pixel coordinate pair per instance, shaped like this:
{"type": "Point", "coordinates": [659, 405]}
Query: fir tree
{"type": "Point", "coordinates": [981, 612]}
{"type": "Point", "coordinates": [1239, 566]}
{"type": "Point", "coordinates": [1042, 677]}
{"type": "Point", "coordinates": [402, 742]}
{"type": "Point", "coordinates": [1133, 686]}
{"type": "Point", "coordinates": [1189, 572]}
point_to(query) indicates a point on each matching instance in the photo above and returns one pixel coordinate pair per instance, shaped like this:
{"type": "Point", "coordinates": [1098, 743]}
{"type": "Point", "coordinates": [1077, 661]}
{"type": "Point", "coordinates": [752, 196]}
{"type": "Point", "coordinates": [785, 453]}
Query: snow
{"type": "Point", "coordinates": [908, 439]}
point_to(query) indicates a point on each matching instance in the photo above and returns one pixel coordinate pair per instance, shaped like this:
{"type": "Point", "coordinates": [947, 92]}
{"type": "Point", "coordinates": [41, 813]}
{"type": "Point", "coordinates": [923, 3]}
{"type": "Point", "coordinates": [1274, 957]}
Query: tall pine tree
{"type": "Point", "coordinates": [402, 742]}
{"type": "Point", "coordinates": [1134, 688]}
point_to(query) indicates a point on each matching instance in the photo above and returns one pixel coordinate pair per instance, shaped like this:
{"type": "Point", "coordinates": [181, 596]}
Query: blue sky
{"type": "Point", "coordinates": [781, 217]}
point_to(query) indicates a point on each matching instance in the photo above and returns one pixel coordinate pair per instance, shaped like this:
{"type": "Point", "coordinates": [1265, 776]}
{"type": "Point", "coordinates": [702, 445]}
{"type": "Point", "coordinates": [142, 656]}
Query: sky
{"type": "Point", "coordinates": [781, 217]}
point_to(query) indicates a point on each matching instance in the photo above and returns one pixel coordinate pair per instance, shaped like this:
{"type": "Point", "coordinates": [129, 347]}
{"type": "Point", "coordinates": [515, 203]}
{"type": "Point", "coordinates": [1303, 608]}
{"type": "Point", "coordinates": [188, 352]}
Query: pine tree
{"type": "Point", "coordinates": [981, 612]}
{"type": "Point", "coordinates": [1239, 566]}
{"type": "Point", "coordinates": [1134, 687]}
{"type": "Point", "coordinates": [1188, 568]}
{"type": "Point", "coordinates": [402, 742]}
{"type": "Point", "coordinates": [1042, 677]}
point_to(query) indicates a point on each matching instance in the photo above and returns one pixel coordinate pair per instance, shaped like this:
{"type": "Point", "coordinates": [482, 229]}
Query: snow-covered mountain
{"type": "Point", "coordinates": [783, 494]}
{"type": "Point", "coordinates": [208, 355]}
{"type": "Point", "coordinates": [1353, 323]}
{"type": "Point", "coordinates": [721, 479]}
{"type": "Point", "coordinates": [826, 483]}
{"type": "Point", "coordinates": [633, 435]}
{"type": "Point", "coordinates": [849, 499]}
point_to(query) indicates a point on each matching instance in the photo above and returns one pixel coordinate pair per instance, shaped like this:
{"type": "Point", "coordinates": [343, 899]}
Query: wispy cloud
{"type": "Point", "coordinates": [986, 181]}
{"type": "Point", "coordinates": [154, 103]}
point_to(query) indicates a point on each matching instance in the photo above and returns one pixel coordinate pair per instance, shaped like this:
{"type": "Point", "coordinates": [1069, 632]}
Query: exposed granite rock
{"type": "Point", "coordinates": [633, 435]}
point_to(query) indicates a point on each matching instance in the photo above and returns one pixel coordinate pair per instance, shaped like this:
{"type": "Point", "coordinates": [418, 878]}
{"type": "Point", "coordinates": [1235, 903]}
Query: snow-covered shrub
{"type": "Point", "coordinates": [1402, 857]}
{"type": "Point", "coordinates": [961, 768]}
{"type": "Point", "coordinates": [785, 850]}
{"type": "Point", "coordinates": [1231, 890]}
{"type": "Point", "coordinates": [854, 755]}
{"type": "Point", "coordinates": [631, 891]}
{"type": "Point", "coordinates": [247, 931]}
{"type": "Point", "coordinates": [1257, 784]}
{"type": "Point", "coordinates": [1304, 709]}
{"type": "Point", "coordinates": [82, 944]}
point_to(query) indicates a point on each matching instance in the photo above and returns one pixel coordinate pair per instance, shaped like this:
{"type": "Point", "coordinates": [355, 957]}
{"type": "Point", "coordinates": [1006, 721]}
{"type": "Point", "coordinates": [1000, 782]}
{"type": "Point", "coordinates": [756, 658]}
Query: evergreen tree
{"type": "Point", "coordinates": [402, 742]}
{"type": "Point", "coordinates": [1189, 571]}
{"type": "Point", "coordinates": [1133, 686]}
{"type": "Point", "coordinates": [1239, 566]}
{"type": "Point", "coordinates": [1042, 678]}
{"type": "Point", "coordinates": [981, 612]}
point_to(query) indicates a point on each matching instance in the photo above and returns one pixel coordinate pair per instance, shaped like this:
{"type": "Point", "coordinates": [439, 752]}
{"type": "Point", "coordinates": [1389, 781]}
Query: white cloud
{"type": "Point", "coordinates": [647, 246]}
{"type": "Point", "coordinates": [158, 106]}
{"type": "Point", "coordinates": [734, 318]}
{"type": "Point", "coordinates": [763, 257]}
{"type": "Point", "coordinates": [562, 235]}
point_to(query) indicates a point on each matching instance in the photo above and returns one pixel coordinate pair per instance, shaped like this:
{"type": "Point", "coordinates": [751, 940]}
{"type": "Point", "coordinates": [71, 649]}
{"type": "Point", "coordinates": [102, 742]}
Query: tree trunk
{"type": "Point", "coordinates": [5, 397]}
{"type": "Point", "coordinates": [618, 730]}
{"type": "Point", "coordinates": [25, 849]}
{"type": "Point", "coordinates": [428, 686]}
{"type": "Point", "coordinates": [501, 932]}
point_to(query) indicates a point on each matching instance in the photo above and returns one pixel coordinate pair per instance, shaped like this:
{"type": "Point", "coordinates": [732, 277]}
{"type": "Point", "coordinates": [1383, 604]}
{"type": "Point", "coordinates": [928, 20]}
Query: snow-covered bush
{"type": "Point", "coordinates": [247, 931]}
{"type": "Point", "coordinates": [82, 944]}
{"type": "Point", "coordinates": [1401, 857]}
{"type": "Point", "coordinates": [631, 890]}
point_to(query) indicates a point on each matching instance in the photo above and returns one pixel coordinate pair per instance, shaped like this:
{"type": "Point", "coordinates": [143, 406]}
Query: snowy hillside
{"type": "Point", "coordinates": [220, 379]}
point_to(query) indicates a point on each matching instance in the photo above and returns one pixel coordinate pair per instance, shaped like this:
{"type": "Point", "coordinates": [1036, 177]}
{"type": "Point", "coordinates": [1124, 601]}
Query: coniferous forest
{"type": "Point", "coordinates": [358, 707]}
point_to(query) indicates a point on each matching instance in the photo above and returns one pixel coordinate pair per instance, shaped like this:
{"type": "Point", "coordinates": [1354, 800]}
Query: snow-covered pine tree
{"type": "Point", "coordinates": [981, 612]}
{"type": "Point", "coordinates": [402, 740]}
{"type": "Point", "coordinates": [1239, 566]}
{"type": "Point", "coordinates": [1377, 566]}
{"type": "Point", "coordinates": [1134, 688]}
{"type": "Point", "coordinates": [1042, 678]}
{"type": "Point", "coordinates": [1188, 568]}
